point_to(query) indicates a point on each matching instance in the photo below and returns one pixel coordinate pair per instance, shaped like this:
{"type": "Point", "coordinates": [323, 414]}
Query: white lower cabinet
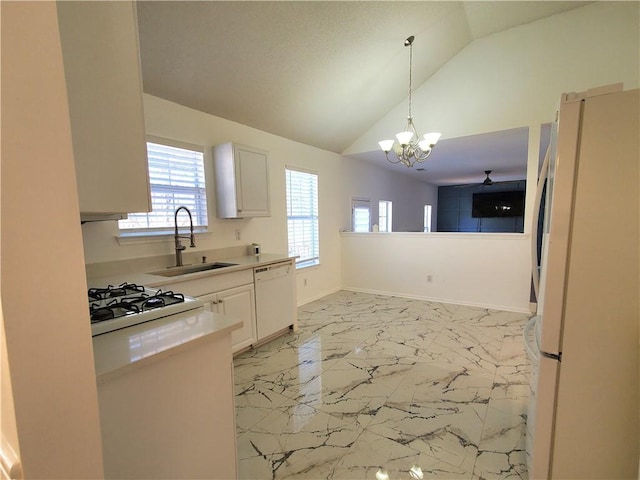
{"type": "Point", "coordinates": [236, 302]}
{"type": "Point", "coordinates": [266, 303]}
{"type": "Point", "coordinates": [231, 294]}
{"type": "Point", "coordinates": [159, 422]}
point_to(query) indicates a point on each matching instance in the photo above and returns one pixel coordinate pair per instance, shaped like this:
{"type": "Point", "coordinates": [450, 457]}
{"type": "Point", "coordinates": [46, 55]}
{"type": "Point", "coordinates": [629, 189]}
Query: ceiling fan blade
{"type": "Point", "coordinates": [484, 184]}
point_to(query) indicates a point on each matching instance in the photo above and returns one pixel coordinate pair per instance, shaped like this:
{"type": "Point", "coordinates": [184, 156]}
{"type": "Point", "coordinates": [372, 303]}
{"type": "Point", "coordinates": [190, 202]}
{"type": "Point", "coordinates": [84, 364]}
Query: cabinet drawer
{"type": "Point", "coordinates": [213, 283]}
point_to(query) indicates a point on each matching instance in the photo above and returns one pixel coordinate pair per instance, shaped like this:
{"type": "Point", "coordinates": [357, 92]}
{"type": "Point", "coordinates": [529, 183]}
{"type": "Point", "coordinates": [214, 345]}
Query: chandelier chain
{"type": "Point", "coordinates": [410, 75]}
{"type": "Point", "coordinates": [409, 149]}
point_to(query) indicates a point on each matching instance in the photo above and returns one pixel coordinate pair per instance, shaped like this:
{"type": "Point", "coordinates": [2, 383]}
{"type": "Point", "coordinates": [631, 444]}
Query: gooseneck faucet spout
{"type": "Point", "coordinates": [177, 237]}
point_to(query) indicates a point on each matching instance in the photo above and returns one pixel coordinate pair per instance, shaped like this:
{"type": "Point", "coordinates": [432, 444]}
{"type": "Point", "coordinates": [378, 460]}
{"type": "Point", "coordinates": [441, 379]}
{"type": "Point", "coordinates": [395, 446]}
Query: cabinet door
{"type": "Point", "coordinates": [104, 89]}
{"type": "Point", "coordinates": [252, 182]}
{"type": "Point", "coordinates": [239, 302]}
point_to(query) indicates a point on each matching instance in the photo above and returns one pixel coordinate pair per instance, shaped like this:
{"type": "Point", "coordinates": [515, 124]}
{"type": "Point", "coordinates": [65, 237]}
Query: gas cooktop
{"type": "Point", "coordinates": [115, 307]}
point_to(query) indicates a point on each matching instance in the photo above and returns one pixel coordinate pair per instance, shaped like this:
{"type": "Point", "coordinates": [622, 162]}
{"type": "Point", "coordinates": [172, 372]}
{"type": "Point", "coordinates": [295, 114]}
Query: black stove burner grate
{"type": "Point", "coordinates": [114, 292]}
{"type": "Point", "coordinates": [150, 302]}
{"type": "Point", "coordinates": [100, 314]}
{"type": "Point", "coordinates": [129, 305]}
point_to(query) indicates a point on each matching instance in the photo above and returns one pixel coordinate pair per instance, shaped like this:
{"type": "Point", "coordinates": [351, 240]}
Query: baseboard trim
{"type": "Point", "coordinates": [319, 296]}
{"type": "Point", "coordinates": [440, 300]}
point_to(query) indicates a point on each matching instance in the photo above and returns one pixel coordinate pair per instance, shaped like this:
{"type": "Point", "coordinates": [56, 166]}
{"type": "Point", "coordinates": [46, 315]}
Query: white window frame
{"type": "Point", "coordinates": [385, 213]}
{"type": "Point", "coordinates": [359, 205]}
{"type": "Point", "coordinates": [197, 190]}
{"type": "Point", "coordinates": [304, 224]}
{"type": "Point", "coordinates": [427, 218]}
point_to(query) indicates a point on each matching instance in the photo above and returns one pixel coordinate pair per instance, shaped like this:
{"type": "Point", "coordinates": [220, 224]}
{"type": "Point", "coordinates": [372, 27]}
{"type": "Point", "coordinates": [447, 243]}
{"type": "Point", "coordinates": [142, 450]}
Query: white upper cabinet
{"type": "Point", "coordinates": [242, 181]}
{"type": "Point", "coordinates": [104, 87]}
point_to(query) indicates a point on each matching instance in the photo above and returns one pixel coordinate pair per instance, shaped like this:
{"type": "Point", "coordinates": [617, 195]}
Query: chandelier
{"type": "Point", "coordinates": [409, 149]}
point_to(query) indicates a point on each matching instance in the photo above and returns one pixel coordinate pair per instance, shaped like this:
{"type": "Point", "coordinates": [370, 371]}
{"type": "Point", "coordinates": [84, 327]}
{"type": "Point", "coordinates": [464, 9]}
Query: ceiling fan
{"type": "Point", "coordinates": [487, 182]}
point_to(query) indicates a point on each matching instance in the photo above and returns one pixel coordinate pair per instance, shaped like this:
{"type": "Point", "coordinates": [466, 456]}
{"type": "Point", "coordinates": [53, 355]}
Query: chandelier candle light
{"type": "Point", "coordinates": [409, 149]}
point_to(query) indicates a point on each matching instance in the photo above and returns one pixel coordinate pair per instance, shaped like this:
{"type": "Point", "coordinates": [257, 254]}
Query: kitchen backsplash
{"type": "Point", "coordinates": [147, 264]}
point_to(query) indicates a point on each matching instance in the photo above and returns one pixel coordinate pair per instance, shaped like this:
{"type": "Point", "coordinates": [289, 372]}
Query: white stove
{"type": "Point", "coordinates": [115, 307]}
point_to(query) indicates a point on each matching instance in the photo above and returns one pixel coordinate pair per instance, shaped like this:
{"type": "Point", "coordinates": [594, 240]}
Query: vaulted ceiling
{"type": "Point", "coordinates": [317, 72]}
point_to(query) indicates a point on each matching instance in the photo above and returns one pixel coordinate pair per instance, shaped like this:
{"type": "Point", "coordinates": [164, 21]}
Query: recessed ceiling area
{"type": "Point", "coordinates": [462, 160]}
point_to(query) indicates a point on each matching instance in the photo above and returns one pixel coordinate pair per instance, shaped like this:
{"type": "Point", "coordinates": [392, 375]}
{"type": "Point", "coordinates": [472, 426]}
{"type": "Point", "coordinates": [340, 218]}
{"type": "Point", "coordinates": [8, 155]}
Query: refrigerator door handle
{"type": "Point", "coordinates": [536, 214]}
{"type": "Point", "coordinates": [552, 356]}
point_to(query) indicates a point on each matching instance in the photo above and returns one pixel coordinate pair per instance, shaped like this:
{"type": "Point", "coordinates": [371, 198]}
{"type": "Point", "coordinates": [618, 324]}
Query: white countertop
{"type": "Point", "coordinates": [122, 350]}
{"type": "Point", "coordinates": [148, 279]}
{"type": "Point", "coordinates": [119, 351]}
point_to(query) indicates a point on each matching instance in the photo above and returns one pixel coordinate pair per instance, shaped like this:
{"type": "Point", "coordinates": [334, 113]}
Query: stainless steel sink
{"type": "Point", "coordinates": [175, 271]}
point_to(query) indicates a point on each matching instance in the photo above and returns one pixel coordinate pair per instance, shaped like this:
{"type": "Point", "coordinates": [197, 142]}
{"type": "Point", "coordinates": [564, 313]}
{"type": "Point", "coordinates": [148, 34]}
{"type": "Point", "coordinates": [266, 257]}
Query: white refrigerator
{"type": "Point", "coordinates": [583, 420]}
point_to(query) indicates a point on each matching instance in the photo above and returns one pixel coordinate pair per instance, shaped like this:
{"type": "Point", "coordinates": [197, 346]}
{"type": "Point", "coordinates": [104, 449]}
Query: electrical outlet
{"type": "Point", "coordinates": [429, 279]}
{"type": "Point", "coordinates": [237, 234]}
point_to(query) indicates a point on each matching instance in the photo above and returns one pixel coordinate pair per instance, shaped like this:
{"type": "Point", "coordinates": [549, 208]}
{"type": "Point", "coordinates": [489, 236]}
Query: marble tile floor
{"type": "Point", "coordinates": [372, 382]}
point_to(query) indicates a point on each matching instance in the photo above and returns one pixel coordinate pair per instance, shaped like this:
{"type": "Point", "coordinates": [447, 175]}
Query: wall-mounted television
{"type": "Point", "coordinates": [498, 204]}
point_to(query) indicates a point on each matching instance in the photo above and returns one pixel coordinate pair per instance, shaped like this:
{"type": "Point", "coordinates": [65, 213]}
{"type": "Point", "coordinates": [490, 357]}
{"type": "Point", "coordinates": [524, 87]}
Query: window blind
{"type": "Point", "coordinates": [361, 219]}
{"type": "Point", "coordinates": [302, 216]}
{"type": "Point", "coordinates": [176, 176]}
{"type": "Point", "coordinates": [361, 214]}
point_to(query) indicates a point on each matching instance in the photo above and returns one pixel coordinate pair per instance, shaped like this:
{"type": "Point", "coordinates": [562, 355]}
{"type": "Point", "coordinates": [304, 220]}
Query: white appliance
{"type": "Point", "coordinates": [583, 420]}
{"type": "Point", "coordinates": [275, 297]}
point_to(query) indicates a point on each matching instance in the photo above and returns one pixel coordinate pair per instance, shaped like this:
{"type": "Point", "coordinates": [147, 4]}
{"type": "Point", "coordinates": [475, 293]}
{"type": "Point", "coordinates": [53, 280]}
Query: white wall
{"type": "Point", "coordinates": [43, 288]}
{"type": "Point", "coordinates": [169, 120]}
{"type": "Point", "coordinates": [408, 196]}
{"type": "Point", "coordinates": [506, 80]}
{"type": "Point", "coordinates": [514, 78]}
{"type": "Point", "coordinates": [339, 180]}
{"type": "Point", "coordinates": [488, 270]}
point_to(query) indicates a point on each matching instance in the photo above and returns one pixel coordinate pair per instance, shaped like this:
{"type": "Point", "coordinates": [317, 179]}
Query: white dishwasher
{"type": "Point", "coordinates": [275, 298]}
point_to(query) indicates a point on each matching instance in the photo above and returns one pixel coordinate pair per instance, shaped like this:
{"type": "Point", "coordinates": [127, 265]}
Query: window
{"type": "Point", "coordinates": [176, 175]}
{"type": "Point", "coordinates": [302, 216]}
{"type": "Point", "coordinates": [427, 218]}
{"type": "Point", "coordinates": [360, 215]}
{"type": "Point", "coordinates": [384, 216]}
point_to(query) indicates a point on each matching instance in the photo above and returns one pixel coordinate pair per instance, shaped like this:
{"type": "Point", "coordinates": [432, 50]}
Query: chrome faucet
{"type": "Point", "coordinates": [179, 246]}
